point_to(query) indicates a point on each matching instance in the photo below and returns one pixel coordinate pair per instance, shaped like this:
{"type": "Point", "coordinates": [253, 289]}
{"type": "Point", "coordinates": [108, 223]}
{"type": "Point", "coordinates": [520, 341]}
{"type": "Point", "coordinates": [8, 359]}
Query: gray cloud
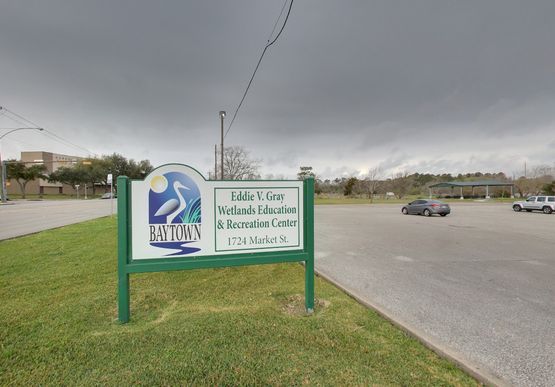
{"type": "Point", "coordinates": [432, 86]}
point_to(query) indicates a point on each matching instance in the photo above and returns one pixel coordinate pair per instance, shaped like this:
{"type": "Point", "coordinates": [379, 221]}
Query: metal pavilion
{"type": "Point", "coordinates": [473, 184]}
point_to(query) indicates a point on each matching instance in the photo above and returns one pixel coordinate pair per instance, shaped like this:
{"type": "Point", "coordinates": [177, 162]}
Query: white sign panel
{"type": "Point", "coordinates": [109, 179]}
{"type": "Point", "coordinates": [257, 218]}
{"type": "Point", "coordinates": [177, 213]}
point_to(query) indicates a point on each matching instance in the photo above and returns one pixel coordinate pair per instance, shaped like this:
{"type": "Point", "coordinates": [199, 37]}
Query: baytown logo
{"type": "Point", "coordinates": [174, 213]}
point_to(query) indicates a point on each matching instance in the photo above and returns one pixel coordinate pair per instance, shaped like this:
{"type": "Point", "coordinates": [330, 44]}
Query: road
{"type": "Point", "coordinates": [25, 217]}
{"type": "Point", "coordinates": [479, 282]}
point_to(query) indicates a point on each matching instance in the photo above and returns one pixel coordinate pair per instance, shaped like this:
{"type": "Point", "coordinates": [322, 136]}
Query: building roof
{"type": "Point", "coordinates": [476, 183]}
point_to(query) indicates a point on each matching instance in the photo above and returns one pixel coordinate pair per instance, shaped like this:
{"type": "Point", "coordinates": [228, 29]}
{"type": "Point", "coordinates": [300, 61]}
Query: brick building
{"type": "Point", "coordinates": [52, 161]}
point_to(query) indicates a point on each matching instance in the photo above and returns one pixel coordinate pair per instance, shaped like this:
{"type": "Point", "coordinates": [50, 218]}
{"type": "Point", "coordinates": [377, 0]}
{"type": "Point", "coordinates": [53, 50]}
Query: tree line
{"type": "Point", "coordinates": [541, 179]}
{"type": "Point", "coordinates": [239, 165]}
{"type": "Point", "coordinates": [92, 171]}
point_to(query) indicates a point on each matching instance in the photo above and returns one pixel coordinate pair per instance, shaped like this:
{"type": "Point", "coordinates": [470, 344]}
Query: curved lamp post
{"type": "Point", "coordinates": [3, 164]}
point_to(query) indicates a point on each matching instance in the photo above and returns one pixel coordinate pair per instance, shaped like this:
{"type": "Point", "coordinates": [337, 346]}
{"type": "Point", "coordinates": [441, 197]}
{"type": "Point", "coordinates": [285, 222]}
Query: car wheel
{"type": "Point", "coordinates": [427, 212]}
{"type": "Point", "coordinates": [405, 211]}
{"type": "Point", "coordinates": [547, 210]}
{"type": "Point", "coordinates": [443, 214]}
{"type": "Point", "coordinates": [517, 208]}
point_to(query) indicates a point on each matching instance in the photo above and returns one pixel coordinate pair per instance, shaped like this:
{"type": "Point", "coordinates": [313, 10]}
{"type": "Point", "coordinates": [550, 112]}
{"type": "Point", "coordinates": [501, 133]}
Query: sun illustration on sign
{"type": "Point", "coordinates": [174, 212]}
{"type": "Point", "coordinates": [159, 184]}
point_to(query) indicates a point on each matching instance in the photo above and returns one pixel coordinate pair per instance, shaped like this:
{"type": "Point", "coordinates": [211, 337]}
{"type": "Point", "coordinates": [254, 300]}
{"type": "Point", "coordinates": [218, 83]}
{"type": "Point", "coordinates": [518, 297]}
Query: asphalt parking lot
{"type": "Point", "coordinates": [479, 282]}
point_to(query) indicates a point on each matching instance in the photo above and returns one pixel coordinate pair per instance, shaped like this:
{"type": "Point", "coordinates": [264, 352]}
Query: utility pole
{"type": "Point", "coordinates": [110, 180]}
{"type": "Point", "coordinates": [215, 161]}
{"type": "Point", "coordinates": [222, 115]}
{"type": "Point", "coordinates": [4, 181]}
{"type": "Point", "coordinates": [3, 189]}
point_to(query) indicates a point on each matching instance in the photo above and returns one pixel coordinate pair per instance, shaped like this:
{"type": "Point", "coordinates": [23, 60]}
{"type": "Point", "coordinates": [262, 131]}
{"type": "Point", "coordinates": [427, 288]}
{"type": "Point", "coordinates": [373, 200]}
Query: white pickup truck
{"type": "Point", "coordinates": [536, 203]}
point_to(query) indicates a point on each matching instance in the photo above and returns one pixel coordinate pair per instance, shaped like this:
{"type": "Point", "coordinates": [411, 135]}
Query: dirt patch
{"type": "Point", "coordinates": [294, 305]}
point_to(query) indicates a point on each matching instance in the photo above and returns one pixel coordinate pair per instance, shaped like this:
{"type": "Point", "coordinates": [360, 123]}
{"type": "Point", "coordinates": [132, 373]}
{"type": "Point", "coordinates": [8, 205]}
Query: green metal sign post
{"type": "Point", "coordinates": [129, 264]}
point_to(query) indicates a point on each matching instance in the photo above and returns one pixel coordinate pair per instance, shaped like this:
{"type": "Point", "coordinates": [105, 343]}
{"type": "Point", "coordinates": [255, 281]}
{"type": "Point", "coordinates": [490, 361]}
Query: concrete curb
{"type": "Point", "coordinates": [478, 372]}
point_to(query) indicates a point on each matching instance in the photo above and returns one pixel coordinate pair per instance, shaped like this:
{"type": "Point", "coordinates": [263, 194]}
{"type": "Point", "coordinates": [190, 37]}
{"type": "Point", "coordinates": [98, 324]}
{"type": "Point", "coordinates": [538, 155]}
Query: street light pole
{"type": "Point", "coordinates": [3, 163]}
{"type": "Point", "coordinates": [4, 187]}
{"type": "Point", "coordinates": [222, 115]}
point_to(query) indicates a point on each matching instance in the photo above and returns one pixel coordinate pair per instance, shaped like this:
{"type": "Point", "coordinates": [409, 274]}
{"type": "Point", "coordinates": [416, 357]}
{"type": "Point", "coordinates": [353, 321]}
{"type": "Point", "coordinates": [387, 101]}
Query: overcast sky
{"type": "Point", "coordinates": [421, 86]}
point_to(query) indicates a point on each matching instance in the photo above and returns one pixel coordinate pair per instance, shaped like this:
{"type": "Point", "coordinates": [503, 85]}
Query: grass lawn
{"type": "Point", "coordinates": [214, 326]}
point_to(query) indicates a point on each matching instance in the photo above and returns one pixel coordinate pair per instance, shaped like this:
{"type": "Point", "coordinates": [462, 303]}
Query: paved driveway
{"type": "Point", "coordinates": [479, 282]}
{"type": "Point", "coordinates": [25, 217]}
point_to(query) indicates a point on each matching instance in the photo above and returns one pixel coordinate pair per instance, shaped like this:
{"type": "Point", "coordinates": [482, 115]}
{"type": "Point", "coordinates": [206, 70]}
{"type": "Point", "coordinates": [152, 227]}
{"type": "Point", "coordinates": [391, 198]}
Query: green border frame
{"type": "Point", "coordinates": [127, 266]}
{"type": "Point", "coordinates": [259, 248]}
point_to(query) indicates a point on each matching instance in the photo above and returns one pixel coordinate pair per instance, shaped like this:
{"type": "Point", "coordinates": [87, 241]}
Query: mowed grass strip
{"type": "Point", "coordinates": [215, 326]}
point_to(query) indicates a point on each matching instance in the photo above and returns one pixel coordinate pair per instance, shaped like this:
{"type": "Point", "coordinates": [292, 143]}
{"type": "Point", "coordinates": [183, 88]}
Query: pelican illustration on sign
{"type": "Point", "coordinates": [173, 207]}
{"type": "Point", "coordinates": [174, 213]}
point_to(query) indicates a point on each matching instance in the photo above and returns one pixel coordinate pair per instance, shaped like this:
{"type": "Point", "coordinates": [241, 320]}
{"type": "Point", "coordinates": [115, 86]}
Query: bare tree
{"type": "Point", "coordinates": [536, 180]}
{"type": "Point", "coordinates": [372, 182]}
{"type": "Point", "coordinates": [524, 186]}
{"type": "Point", "coordinates": [238, 165]}
{"type": "Point", "coordinates": [401, 184]}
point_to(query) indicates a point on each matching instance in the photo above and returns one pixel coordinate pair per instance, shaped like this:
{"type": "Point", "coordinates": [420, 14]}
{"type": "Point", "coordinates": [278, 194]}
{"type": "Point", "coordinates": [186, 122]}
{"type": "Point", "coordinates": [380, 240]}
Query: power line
{"type": "Point", "coordinates": [19, 116]}
{"type": "Point", "coordinates": [277, 20]}
{"type": "Point", "coordinates": [260, 60]}
{"type": "Point", "coordinates": [14, 119]}
{"type": "Point", "coordinates": [54, 135]}
{"type": "Point", "coordinates": [46, 132]}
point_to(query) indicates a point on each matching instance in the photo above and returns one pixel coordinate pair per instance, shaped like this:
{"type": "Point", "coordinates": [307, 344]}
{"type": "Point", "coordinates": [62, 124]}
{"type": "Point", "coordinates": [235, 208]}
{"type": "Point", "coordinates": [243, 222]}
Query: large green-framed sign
{"type": "Point", "coordinates": [175, 219]}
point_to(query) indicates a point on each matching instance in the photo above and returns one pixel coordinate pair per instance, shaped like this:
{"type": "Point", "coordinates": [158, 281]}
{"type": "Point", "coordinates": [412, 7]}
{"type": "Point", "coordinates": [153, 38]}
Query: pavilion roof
{"type": "Point", "coordinates": [474, 183]}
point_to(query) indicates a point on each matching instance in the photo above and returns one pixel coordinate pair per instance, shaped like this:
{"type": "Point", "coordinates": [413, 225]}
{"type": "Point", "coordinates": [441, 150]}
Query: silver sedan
{"type": "Point", "coordinates": [426, 208]}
